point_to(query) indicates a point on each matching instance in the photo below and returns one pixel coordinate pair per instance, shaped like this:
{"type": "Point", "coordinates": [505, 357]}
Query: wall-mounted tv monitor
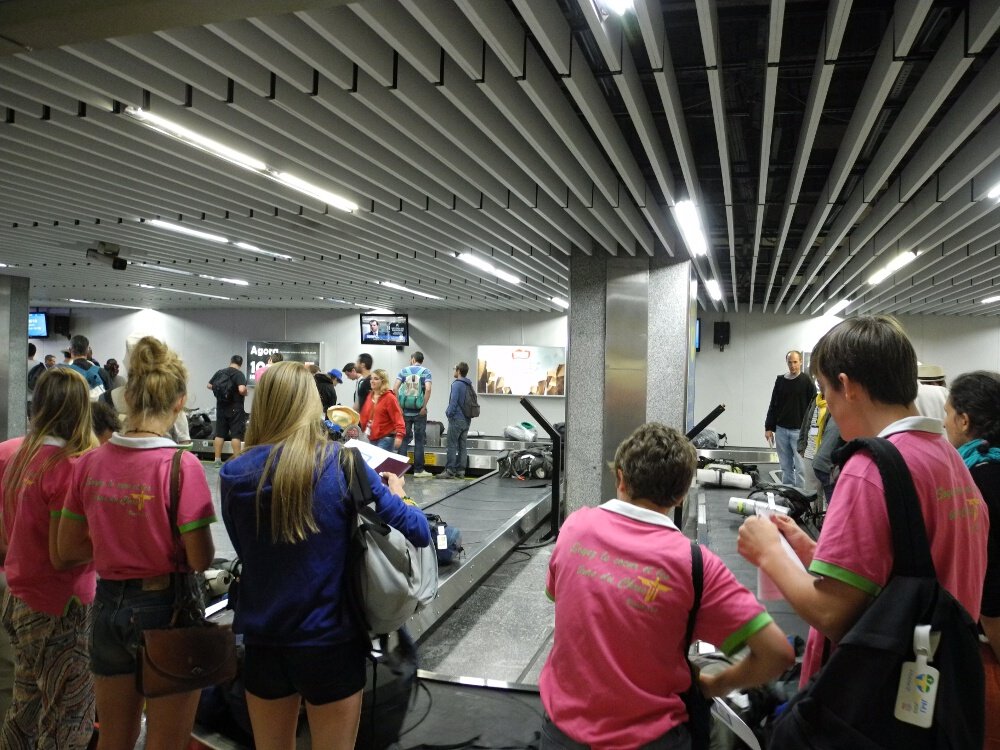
{"type": "Point", "coordinates": [697, 334]}
{"type": "Point", "coordinates": [38, 325]}
{"type": "Point", "coordinates": [390, 330]}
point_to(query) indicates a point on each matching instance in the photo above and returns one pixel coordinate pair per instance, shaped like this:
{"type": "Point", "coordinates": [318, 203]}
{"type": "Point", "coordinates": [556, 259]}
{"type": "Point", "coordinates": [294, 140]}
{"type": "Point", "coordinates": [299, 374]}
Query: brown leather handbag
{"type": "Point", "coordinates": [191, 653]}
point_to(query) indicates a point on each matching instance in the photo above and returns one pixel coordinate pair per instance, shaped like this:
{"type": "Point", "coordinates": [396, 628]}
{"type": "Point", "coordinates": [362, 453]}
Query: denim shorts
{"type": "Point", "coordinates": [122, 610]}
{"type": "Point", "coordinates": [320, 674]}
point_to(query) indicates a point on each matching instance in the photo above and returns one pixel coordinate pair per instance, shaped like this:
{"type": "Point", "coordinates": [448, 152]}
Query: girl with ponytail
{"type": "Point", "coordinates": [48, 603]}
{"type": "Point", "coordinates": [117, 512]}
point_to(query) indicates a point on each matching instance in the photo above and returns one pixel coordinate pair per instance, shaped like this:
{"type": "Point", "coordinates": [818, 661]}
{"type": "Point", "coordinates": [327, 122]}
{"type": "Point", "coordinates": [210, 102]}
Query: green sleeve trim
{"type": "Point", "coordinates": [200, 523]}
{"type": "Point", "coordinates": [828, 570]}
{"type": "Point", "coordinates": [738, 640]}
{"type": "Point", "coordinates": [55, 513]}
{"type": "Point", "coordinates": [550, 596]}
{"type": "Point", "coordinates": [66, 513]}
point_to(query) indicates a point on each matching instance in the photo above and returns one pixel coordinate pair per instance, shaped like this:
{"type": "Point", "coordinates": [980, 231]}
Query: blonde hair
{"type": "Point", "coordinates": [284, 416]}
{"type": "Point", "coordinates": [156, 379]}
{"type": "Point", "coordinates": [386, 383]}
{"type": "Point", "coordinates": [60, 408]}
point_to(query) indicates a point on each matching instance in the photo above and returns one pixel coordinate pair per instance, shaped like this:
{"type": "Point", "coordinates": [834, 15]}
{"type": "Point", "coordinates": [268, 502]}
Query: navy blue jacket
{"type": "Point", "coordinates": [291, 594]}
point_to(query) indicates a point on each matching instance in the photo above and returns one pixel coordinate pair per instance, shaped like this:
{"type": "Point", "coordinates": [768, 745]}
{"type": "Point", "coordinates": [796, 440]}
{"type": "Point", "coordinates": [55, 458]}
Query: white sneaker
{"type": "Point", "coordinates": [422, 474]}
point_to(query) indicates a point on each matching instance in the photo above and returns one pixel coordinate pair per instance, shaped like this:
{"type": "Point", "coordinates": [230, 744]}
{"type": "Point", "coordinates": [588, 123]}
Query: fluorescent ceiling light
{"type": "Point", "coordinates": [894, 265]}
{"type": "Point", "coordinates": [714, 290]}
{"type": "Point", "coordinates": [560, 302]}
{"type": "Point", "coordinates": [196, 139]}
{"type": "Point", "coordinates": [994, 191]}
{"type": "Point", "coordinates": [474, 260]}
{"type": "Point", "coordinates": [255, 249]}
{"type": "Point", "coordinates": [3, 265]}
{"type": "Point", "coordinates": [181, 229]}
{"type": "Point", "coordinates": [330, 199]}
{"type": "Point", "coordinates": [839, 306]}
{"type": "Point", "coordinates": [374, 310]}
{"type": "Point", "coordinates": [990, 300]}
{"type": "Point", "coordinates": [238, 282]}
{"type": "Point", "coordinates": [145, 286]}
{"type": "Point", "coordinates": [687, 219]}
{"type": "Point", "coordinates": [157, 267]}
{"type": "Point", "coordinates": [196, 294]}
{"type": "Point", "coordinates": [105, 304]}
{"type": "Point", "coordinates": [407, 289]}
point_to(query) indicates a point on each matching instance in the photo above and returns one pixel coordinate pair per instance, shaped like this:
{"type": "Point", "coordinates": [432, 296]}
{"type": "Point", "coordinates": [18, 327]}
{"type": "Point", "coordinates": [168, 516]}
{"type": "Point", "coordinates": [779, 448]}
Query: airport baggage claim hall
{"type": "Point", "coordinates": [615, 211]}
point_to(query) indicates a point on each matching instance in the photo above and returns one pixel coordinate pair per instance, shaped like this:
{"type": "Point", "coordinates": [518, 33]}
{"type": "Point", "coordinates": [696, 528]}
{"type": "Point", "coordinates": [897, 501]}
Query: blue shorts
{"type": "Point", "coordinates": [122, 610]}
{"type": "Point", "coordinates": [320, 674]}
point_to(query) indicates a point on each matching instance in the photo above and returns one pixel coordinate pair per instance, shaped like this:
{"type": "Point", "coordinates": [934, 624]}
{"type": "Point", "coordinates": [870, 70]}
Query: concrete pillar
{"type": "Point", "coordinates": [13, 370]}
{"type": "Point", "coordinates": [631, 328]}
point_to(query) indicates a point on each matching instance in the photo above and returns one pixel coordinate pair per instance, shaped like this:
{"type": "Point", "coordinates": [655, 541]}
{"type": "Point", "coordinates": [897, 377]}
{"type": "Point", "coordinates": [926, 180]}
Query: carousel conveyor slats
{"type": "Point", "coordinates": [494, 515]}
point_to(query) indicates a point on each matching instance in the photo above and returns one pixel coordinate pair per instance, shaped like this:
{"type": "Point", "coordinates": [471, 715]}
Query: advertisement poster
{"type": "Point", "coordinates": [259, 351]}
{"type": "Point", "coordinates": [521, 370]}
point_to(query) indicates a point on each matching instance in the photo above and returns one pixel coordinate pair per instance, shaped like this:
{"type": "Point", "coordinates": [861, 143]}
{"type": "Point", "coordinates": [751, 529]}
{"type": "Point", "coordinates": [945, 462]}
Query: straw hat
{"type": "Point", "coordinates": [344, 416]}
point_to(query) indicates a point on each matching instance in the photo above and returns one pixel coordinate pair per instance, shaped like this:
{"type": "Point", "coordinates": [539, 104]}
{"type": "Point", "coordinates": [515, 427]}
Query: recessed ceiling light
{"type": "Point", "coordinates": [374, 310]}
{"type": "Point", "coordinates": [330, 199]}
{"type": "Point", "coordinates": [891, 267]}
{"type": "Point", "coordinates": [408, 290]}
{"type": "Point", "coordinates": [560, 302]}
{"type": "Point", "coordinates": [238, 282]}
{"type": "Point", "coordinates": [196, 294]}
{"type": "Point", "coordinates": [255, 249]}
{"type": "Point", "coordinates": [105, 304]}
{"type": "Point", "coordinates": [690, 224]}
{"type": "Point", "coordinates": [994, 191]}
{"type": "Point", "coordinates": [164, 125]}
{"type": "Point", "coordinates": [839, 306]}
{"type": "Point", "coordinates": [474, 260]}
{"type": "Point", "coordinates": [713, 289]}
{"type": "Point", "coordinates": [181, 229]}
{"type": "Point", "coordinates": [990, 300]}
{"type": "Point", "coordinates": [158, 267]}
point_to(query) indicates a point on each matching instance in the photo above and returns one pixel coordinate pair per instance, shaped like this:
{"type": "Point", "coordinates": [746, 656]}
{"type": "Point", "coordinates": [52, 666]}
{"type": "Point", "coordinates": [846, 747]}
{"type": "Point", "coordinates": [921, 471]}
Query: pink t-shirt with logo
{"type": "Point", "coordinates": [620, 577]}
{"type": "Point", "coordinates": [855, 546]}
{"type": "Point", "coordinates": [30, 575]}
{"type": "Point", "coordinates": [122, 491]}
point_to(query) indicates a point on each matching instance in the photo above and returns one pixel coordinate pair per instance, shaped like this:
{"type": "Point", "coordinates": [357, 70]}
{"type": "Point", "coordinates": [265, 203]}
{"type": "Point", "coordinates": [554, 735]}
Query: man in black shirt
{"type": "Point", "coordinates": [364, 370]}
{"type": "Point", "coordinates": [230, 388]}
{"type": "Point", "coordinates": [790, 398]}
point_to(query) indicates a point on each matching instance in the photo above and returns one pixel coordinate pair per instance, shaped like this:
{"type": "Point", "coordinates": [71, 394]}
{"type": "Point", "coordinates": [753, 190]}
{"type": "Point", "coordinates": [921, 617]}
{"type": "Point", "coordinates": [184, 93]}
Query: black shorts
{"type": "Point", "coordinates": [320, 674]}
{"type": "Point", "coordinates": [230, 423]}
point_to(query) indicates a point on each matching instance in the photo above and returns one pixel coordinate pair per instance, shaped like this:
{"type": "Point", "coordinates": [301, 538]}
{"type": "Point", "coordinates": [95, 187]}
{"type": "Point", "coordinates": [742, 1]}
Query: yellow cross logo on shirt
{"type": "Point", "coordinates": [140, 499]}
{"type": "Point", "coordinates": [654, 587]}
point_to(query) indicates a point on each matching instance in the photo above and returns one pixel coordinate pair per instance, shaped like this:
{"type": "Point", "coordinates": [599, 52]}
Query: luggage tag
{"type": "Point", "coordinates": [918, 681]}
{"type": "Point", "coordinates": [442, 538]}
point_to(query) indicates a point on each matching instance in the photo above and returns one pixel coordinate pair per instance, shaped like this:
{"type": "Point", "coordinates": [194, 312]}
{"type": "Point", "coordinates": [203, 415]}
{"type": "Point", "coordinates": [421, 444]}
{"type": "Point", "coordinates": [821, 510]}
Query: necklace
{"type": "Point", "coordinates": [147, 432]}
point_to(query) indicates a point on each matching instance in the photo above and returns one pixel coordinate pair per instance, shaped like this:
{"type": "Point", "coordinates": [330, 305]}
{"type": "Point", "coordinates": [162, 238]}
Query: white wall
{"type": "Point", "coordinates": [741, 377]}
{"type": "Point", "coordinates": [206, 341]}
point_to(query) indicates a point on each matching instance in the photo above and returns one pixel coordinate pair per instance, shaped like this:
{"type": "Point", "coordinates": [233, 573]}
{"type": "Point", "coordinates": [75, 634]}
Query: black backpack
{"type": "Point", "coordinates": [470, 402]}
{"type": "Point", "coordinates": [850, 703]}
{"type": "Point", "coordinates": [223, 386]}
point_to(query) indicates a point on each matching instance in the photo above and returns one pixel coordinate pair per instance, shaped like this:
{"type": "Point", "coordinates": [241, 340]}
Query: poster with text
{"type": "Point", "coordinates": [258, 353]}
{"type": "Point", "coordinates": [521, 370]}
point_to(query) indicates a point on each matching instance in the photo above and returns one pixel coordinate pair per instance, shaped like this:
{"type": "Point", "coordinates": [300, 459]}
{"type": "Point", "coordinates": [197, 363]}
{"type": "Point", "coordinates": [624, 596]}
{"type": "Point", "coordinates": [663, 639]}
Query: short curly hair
{"type": "Point", "coordinates": [977, 395]}
{"type": "Point", "coordinates": [657, 464]}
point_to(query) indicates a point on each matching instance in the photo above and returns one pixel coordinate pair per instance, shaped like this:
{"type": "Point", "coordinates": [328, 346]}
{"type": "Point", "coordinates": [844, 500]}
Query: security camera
{"type": "Point", "coordinates": [108, 253]}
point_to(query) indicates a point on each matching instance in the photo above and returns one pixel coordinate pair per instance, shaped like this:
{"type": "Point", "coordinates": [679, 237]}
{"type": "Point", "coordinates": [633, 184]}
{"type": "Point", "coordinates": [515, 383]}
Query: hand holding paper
{"type": "Point", "coordinates": [380, 459]}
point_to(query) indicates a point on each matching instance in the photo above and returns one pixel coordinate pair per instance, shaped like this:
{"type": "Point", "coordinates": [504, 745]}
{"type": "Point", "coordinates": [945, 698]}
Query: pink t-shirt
{"type": "Point", "coordinates": [122, 491]}
{"type": "Point", "coordinates": [855, 546]}
{"type": "Point", "coordinates": [620, 577]}
{"type": "Point", "coordinates": [30, 575]}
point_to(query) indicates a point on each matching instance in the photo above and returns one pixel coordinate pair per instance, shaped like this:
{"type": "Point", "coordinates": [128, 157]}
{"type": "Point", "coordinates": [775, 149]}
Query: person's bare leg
{"type": "Point", "coordinates": [237, 444]}
{"type": "Point", "coordinates": [119, 710]}
{"type": "Point", "coordinates": [170, 719]}
{"type": "Point", "coordinates": [334, 726]}
{"type": "Point", "coordinates": [274, 721]}
{"type": "Point", "coordinates": [217, 444]}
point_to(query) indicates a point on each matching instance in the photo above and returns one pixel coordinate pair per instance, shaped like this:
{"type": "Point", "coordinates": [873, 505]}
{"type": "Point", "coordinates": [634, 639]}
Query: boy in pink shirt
{"type": "Point", "coordinates": [867, 371]}
{"type": "Point", "coordinates": [620, 577]}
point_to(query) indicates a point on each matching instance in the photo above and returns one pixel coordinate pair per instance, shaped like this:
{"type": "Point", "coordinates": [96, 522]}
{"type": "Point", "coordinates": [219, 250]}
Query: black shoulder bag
{"type": "Point", "coordinates": [699, 708]}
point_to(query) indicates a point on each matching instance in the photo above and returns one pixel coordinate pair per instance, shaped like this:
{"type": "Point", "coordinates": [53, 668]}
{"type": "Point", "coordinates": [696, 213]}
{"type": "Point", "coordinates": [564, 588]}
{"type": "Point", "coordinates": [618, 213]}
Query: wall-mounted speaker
{"type": "Point", "coordinates": [60, 325]}
{"type": "Point", "coordinates": [720, 333]}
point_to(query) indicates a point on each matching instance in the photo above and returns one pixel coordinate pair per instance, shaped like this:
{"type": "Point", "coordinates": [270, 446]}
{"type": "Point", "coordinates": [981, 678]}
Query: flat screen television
{"type": "Point", "coordinates": [697, 334]}
{"type": "Point", "coordinates": [38, 325]}
{"type": "Point", "coordinates": [389, 330]}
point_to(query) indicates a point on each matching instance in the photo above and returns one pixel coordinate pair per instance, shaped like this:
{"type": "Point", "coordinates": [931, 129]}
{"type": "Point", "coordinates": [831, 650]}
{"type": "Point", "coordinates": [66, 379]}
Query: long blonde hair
{"type": "Point", "coordinates": [386, 383]}
{"type": "Point", "coordinates": [156, 379]}
{"type": "Point", "coordinates": [284, 416]}
{"type": "Point", "coordinates": [60, 408]}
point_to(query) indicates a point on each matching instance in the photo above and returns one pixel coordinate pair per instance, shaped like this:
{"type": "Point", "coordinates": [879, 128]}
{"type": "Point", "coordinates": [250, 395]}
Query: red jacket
{"type": "Point", "coordinates": [387, 418]}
